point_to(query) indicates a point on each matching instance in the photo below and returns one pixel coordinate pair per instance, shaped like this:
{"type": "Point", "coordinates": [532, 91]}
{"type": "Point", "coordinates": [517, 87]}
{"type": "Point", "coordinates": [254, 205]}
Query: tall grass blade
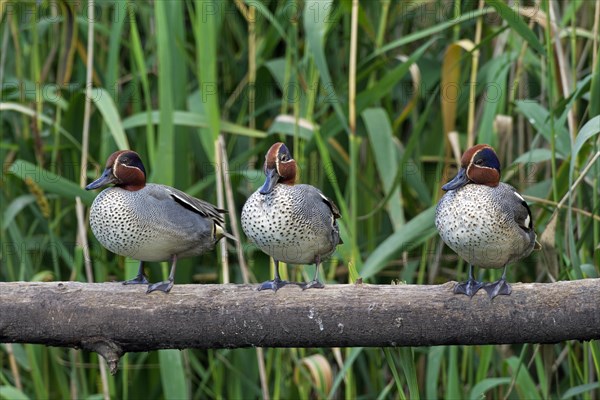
{"type": "Point", "coordinates": [450, 82]}
{"type": "Point", "coordinates": [316, 22]}
{"type": "Point", "coordinates": [432, 373]}
{"type": "Point", "coordinates": [386, 157]}
{"type": "Point", "coordinates": [197, 118]}
{"type": "Point", "coordinates": [49, 181]}
{"type": "Point", "coordinates": [525, 386]}
{"type": "Point", "coordinates": [539, 117]}
{"type": "Point", "coordinates": [288, 125]}
{"type": "Point", "coordinates": [519, 26]}
{"type": "Point", "coordinates": [172, 374]}
{"type": "Point", "coordinates": [166, 131]}
{"type": "Point", "coordinates": [595, 91]}
{"type": "Point", "coordinates": [479, 390]}
{"type": "Point", "coordinates": [391, 78]}
{"type": "Point", "coordinates": [392, 366]}
{"type": "Point", "coordinates": [413, 233]}
{"type": "Point", "coordinates": [535, 156]}
{"type": "Point", "coordinates": [493, 96]}
{"type": "Point", "coordinates": [485, 362]}
{"type": "Point", "coordinates": [12, 393]}
{"type": "Point", "coordinates": [581, 389]}
{"type": "Point", "coordinates": [348, 362]}
{"type": "Point", "coordinates": [453, 383]}
{"type": "Point", "coordinates": [407, 361]}
{"type": "Point", "coordinates": [191, 119]}
{"type": "Point", "coordinates": [9, 106]}
{"type": "Point", "coordinates": [104, 102]}
{"type": "Point", "coordinates": [430, 31]}
{"type": "Point", "coordinates": [590, 129]}
{"type": "Point", "coordinates": [206, 56]}
{"type": "Point", "coordinates": [14, 208]}
{"type": "Point", "coordinates": [140, 63]}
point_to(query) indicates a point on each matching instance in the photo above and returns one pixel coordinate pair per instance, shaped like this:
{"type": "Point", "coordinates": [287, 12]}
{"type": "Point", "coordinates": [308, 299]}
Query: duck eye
{"type": "Point", "coordinates": [479, 161]}
{"type": "Point", "coordinates": [283, 157]}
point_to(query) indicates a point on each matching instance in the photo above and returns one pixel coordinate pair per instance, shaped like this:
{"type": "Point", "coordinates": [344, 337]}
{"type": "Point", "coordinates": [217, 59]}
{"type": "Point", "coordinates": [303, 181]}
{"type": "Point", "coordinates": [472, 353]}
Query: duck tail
{"type": "Point", "coordinates": [220, 233]}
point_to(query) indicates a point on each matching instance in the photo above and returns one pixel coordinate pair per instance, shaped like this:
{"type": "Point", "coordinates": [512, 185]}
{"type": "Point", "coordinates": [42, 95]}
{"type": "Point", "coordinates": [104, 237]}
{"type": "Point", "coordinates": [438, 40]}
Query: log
{"type": "Point", "coordinates": [111, 319]}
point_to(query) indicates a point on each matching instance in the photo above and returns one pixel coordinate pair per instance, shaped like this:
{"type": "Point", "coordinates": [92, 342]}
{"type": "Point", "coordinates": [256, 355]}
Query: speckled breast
{"type": "Point", "coordinates": [288, 226]}
{"type": "Point", "coordinates": [473, 223]}
{"type": "Point", "coordinates": [138, 225]}
{"type": "Point", "coordinates": [116, 225]}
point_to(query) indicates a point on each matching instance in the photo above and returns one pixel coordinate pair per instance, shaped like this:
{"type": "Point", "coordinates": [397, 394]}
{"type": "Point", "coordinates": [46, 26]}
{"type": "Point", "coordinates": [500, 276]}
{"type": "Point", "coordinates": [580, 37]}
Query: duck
{"type": "Point", "coordinates": [485, 221]}
{"type": "Point", "coordinates": [150, 222]}
{"type": "Point", "coordinates": [292, 223]}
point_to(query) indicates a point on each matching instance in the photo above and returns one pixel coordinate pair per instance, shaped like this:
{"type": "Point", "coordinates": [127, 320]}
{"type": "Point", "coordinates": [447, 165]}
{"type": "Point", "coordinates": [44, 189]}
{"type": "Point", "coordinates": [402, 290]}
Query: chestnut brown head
{"type": "Point", "coordinates": [279, 167]}
{"type": "Point", "coordinates": [124, 169]}
{"type": "Point", "coordinates": [480, 165]}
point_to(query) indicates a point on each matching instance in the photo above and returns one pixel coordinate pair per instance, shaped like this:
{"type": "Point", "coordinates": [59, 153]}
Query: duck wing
{"type": "Point", "coordinates": [522, 213]}
{"type": "Point", "coordinates": [198, 206]}
{"type": "Point", "coordinates": [334, 209]}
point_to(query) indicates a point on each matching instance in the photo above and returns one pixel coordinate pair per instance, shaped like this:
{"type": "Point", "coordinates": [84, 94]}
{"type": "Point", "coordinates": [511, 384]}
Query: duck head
{"type": "Point", "coordinates": [279, 167]}
{"type": "Point", "coordinates": [479, 165]}
{"type": "Point", "coordinates": [124, 169]}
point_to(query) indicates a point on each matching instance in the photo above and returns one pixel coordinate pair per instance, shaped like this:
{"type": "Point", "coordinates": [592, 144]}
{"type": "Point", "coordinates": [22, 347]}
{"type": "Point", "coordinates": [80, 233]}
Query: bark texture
{"type": "Point", "coordinates": [112, 319]}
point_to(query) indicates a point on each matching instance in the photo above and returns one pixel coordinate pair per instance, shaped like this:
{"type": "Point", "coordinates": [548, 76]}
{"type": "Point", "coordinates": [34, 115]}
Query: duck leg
{"type": "Point", "coordinates": [276, 283]}
{"type": "Point", "coordinates": [470, 287]}
{"type": "Point", "coordinates": [165, 286]}
{"type": "Point", "coordinates": [315, 283]}
{"type": "Point", "coordinates": [499, 287]}
{"type": "Point", "coordinates": [140, 277]}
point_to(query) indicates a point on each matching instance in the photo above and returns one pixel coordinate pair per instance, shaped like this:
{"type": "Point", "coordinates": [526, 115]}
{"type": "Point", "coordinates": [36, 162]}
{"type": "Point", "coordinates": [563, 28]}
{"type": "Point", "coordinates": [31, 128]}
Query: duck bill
{"type": "Point", "coordinates": [270, 181]}
{"type": "Point", "coordinates": [459, 180]}
{"type": "Point", "coordinates": [105, 179]}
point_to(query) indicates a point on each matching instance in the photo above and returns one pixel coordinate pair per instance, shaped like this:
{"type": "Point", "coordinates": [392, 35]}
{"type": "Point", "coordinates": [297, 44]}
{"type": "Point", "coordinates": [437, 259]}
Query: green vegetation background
{"type": "Point", "coordinates": [169, 77]}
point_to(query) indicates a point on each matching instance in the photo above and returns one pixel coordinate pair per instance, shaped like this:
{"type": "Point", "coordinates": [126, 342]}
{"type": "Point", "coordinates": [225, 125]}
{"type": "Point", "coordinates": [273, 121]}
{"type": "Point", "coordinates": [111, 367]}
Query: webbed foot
{"type": "Point", "coordinates": [469, 287]}
{"type": "Point", "coordinates": [164, 286]}
{"type": "Point", "coordinates": [274, 285]}
{"type": "Point", "coordinates": [497, 288]}
{"type": "Point", "coordinates": [140, 279]}
{"type": "Point", "coordinates": [312, 284]}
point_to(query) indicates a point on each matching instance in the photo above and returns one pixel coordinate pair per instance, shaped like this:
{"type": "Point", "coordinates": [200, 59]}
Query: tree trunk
{"type": "Point", "coordinates": [111, 319]}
